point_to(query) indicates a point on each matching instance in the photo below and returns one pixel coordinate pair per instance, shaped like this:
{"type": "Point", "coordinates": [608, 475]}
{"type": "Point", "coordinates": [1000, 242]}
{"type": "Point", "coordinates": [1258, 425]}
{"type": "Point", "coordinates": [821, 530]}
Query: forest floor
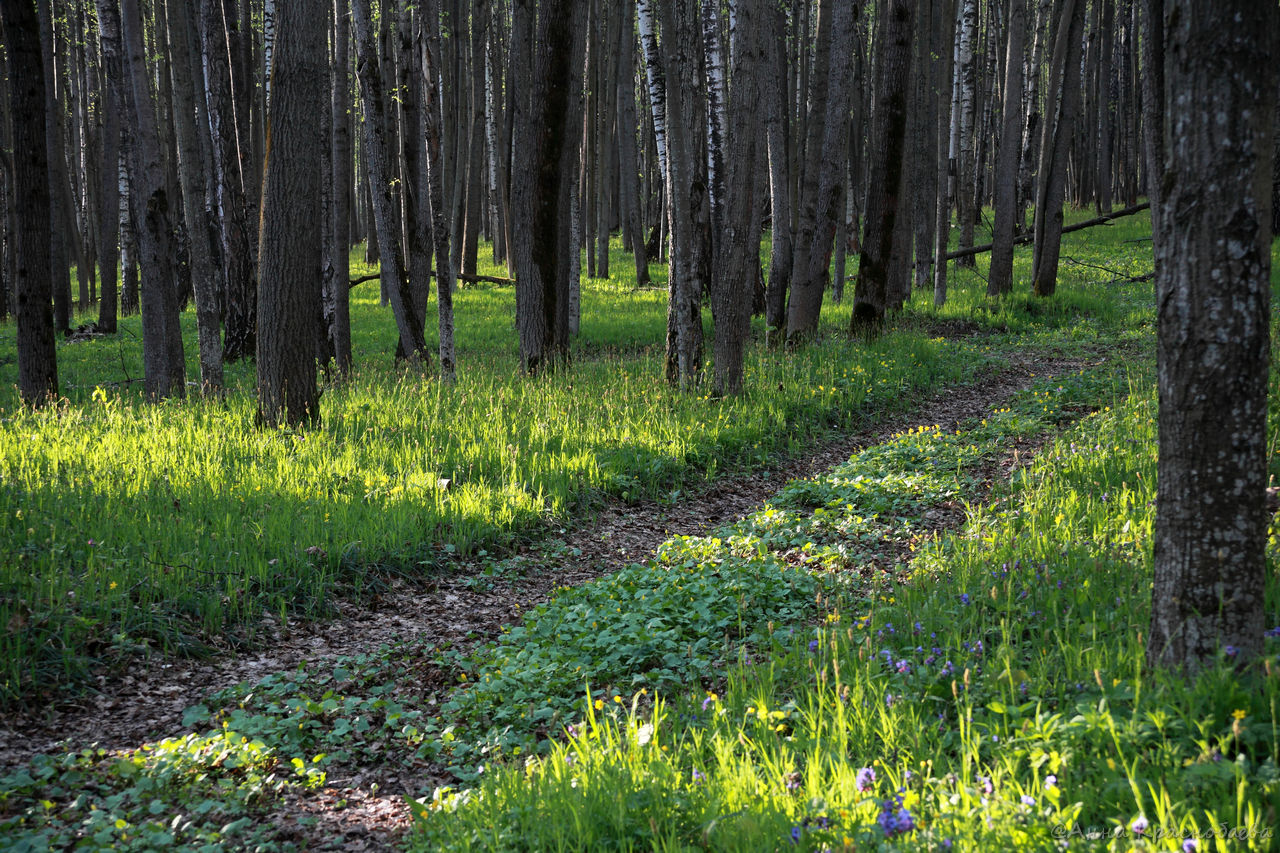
{"type": "Point", "coordinates": [362, 806]}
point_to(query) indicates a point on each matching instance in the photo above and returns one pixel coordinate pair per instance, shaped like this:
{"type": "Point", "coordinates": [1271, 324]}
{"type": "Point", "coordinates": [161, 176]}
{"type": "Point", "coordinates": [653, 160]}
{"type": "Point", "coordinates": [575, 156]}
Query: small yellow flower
{"type": "Point", "coordinates": [1239, 713]}
{"type": "Point", "coordinates": [599, 704]}
{"type": "Point", "coordinates": [114, 584]}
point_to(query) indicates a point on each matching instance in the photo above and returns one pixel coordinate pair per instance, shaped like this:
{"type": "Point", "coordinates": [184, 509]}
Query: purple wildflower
{"type": "Point", "coordinates": [894, 819]}
{"type": "Point", "coordinates": [813, 645]}
{"type": "Point", "coordinates": [1140, 825]}
{"type": "Point", "coordinates": [964, 598]}
{"type": "Point", "coordinates": [865, 779]}
{"type": "Point", "coordinates": [1028, 800]}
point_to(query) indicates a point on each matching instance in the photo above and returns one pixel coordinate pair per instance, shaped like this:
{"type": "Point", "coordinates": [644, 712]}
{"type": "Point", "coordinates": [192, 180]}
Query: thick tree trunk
{"type": "Point", "coordinates": [377, 152]}
{"type": "Point", "coordinates": [884, 192]}
{"type": "Point", "coordinates": [1064, 86]}
{"type": "Point", "coordinates": [164, 366]}
{"type": "Point", "coordinates": [1214, 297]}
{"type": "Point", "coordinates": [290, 252]}
{"type": "Point", "coordinates": [33, 286]}
{"type": "Point", "coordinates": [1000, 279]}
{"type": "Point", "coordinates": [61, 236]}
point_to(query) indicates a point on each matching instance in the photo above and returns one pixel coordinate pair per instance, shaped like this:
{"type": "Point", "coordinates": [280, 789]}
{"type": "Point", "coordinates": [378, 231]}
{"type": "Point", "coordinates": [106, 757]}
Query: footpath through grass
{"type": "Point", "coordinates": [127, 528]}
{"type": "Point", "coordinates": [701, 607]}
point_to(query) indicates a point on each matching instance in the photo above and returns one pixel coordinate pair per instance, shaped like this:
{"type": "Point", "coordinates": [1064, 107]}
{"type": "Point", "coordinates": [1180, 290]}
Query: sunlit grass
{"type": "Point", "coordinates": [128, 525]}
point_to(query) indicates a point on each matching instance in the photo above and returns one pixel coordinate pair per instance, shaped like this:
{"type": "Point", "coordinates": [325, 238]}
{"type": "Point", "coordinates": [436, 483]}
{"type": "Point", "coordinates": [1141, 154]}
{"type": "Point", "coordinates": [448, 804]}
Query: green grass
{"type": "Point", "coordinates": [128, 526]}
{"type": "Point", "coordinates": [997, 694]}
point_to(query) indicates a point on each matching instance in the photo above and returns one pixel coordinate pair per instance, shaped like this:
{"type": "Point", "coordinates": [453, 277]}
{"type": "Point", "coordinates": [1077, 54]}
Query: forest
{"type": "Point", "coordinates": [730, 425]}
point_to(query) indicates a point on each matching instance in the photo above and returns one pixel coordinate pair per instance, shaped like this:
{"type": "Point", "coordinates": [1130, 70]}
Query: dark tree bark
{"type": "Point", "coordinates": [193, 154]}
{"type": "Point", "coordinates": [1000, 278]}
{"type": "Point", "coordinates": [377, 153]}
{"type": "Point", "coordinates": [629, 165]}
{"type": "Point", "coordinates": [432, 119]}
{"type": "Point", "coordinates": [1055, 141]}
{"type": "Point", "coordinates": [59, 197]}
{"type": "Point", "coordinates": [547, 53]}
{"type": "Point", "coordinates": [225, 119]}
{"type": "Point", "coordinates": [773, 102]}
{"type": "Point", "coordinates": [109, 202]}
{"type": "Point", "coordinates": [290, 257]}
{"type": "Point", "coordinates": [739, 257]}
{"type": "Point", "coordinates": [1214, 297]}
{"type": "Point", "coordinates": [337, 302]}
{"type": "Point", "coordinates": [164, 366]}
{"type": "Point", "coordinates": [884, 191]}
{"type": "Point", "coordinates": [33, 286]}
{"type": "Point", "coordinates": [944, 44]}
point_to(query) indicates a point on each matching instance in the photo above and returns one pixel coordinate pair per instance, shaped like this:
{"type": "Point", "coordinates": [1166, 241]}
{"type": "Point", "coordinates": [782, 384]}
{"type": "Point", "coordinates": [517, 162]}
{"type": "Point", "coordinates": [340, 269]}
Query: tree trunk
{"type": "Point", "coordinates": [547, 57]}
{"type": "Point", "coordinates": [1064, 86]}
{"type": "Point", "coordinates": [337, 301]}
{"type": "Point", "coordinates": [774, 103]}
{"type": "Point", "coordinates": [33, 287]}
{"type": "Point", "coordinates": [739, 258]}
{"type": "Point", "coordinates": [432, 121]}
{"type": "Point", "coordinates": [629, 166]}
{"type": "Point", "coordinates": [967, 68]}
{"type": "Point", "coordinates": [290, 252]}
{"type": "Point", "coordinates": [164, 366]}
{"type": "Point", "coordinates": [884, 191]}
{"type": "Point", "coordinates": [240, 298]}
{"type": "Point", "coordinates": [1000, 279]}
{"type": "Point", "coordinates": [109, 202]}
{"type": "Point", "coordinates": [1214, 297]}
{"type": "Point", "coordinates": [60, 235]}
{"type": "Point", "coordinates": [193, 155]}
{"type": "Point", "coordinates": [945, 30]}
{"type": "Point", "coordinates": [412, 342]}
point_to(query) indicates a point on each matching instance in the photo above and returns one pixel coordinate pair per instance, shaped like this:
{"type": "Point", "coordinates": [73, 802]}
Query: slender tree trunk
{"type": "Point", "coordinates": [33, 286]}
{"type": "Point", "coordinates": [162, 352]}
{"type": "Point", "coordinates": [739, 259]}
{"type": "Point", "coordinates": [629, 166]}
{"type": "Point", "coordinates": [774, 103]}
{"type": "Point", "coordinates": [948, 123]}
{"type": "Point", "coordinates": [292, 221]}
{"type": "Point", "coordinates": [377, 151]}
{"type": "Point", "coordinates": [1064, 80]}
{"type": "Point", "coordinates": [109, 202]}
{"type": "Point", "coordinates": [967, 68]}
{"type": "Point", "coordinates": [432, 120]}
{"type": "Point", "coordinates": [1214, 297]}
{"type": "Point", "coordinates": [1000, 279]}
{"type": "Point", "coordinates": [57, 175]}
{"type": "Point", "coordinates": [193, 155]}
{"type": "Point", "coordinates": [337, 301]}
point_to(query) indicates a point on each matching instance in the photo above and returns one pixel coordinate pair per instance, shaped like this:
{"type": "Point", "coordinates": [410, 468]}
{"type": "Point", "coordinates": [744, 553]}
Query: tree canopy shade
{"type": "Point", "coordinates": [1213, 250]}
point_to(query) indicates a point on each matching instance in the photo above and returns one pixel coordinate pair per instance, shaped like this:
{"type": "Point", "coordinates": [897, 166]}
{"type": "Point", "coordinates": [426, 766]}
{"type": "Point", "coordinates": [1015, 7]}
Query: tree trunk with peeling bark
{"type": "Point", "coordinates": [1000, 279]}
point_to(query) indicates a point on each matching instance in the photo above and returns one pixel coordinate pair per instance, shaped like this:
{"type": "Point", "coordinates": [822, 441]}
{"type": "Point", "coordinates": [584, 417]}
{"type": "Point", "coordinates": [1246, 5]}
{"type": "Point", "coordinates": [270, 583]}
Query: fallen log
{"type": "Point", "coordinates": [469, 279]}
{"type": "Point", "coordinates": [1023, 239]}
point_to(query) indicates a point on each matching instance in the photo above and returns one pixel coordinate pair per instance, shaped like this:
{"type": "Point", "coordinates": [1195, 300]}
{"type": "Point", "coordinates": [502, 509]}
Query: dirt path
{"type": "Point", "coordinates": [147, 702]}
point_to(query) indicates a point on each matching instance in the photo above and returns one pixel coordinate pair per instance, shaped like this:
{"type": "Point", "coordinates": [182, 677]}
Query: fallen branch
{"type": "Point", "coordinates": [469, 279]}
{"type": "Point", "coordinates": [1023, 239]}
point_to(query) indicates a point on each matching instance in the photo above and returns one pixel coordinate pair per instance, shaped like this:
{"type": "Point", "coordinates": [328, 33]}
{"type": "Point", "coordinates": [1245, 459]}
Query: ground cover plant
{"type": "Point", "coordinates": [700, 605]}
{"type": "Point", "coordinates": [994, 698]}
{"type": "Point", "coordinates": [131, 527]}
